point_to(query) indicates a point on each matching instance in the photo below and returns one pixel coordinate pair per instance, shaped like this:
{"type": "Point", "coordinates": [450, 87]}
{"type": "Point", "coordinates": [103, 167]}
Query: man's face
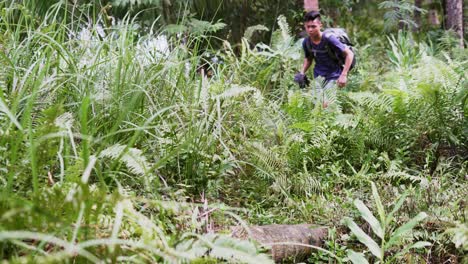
{"type": "Point", "coordinates": [313, 27]}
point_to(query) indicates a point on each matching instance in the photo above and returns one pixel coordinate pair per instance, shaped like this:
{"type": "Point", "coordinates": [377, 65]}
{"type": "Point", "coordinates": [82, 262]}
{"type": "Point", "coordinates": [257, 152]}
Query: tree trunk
{"type": "Point", "coordinates": [454, 18]}
{"type": "Point", "coordinates": [417, 15]}
{"type": "Point", "coordinates": [311, 5]}
{"type": "Point", "coordinates": [465, 21]}
{"type": "Point", "coordinates": [166, 8]}
{"type": "Point", "coordinates": [433, 14]}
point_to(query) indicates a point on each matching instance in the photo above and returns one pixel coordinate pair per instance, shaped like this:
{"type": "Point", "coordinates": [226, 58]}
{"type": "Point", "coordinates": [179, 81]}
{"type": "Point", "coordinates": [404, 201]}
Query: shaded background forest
{"type": "Point", "coordinates": [373, 17]}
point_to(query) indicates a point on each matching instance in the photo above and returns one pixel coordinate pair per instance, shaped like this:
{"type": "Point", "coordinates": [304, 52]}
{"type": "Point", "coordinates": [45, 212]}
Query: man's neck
{"type": "Point", "coordinates": [317, 38]}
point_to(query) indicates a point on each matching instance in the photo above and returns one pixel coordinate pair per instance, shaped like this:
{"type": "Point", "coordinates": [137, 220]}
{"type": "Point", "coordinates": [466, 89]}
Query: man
{"type": "Point", "coordinates": [315, 48]}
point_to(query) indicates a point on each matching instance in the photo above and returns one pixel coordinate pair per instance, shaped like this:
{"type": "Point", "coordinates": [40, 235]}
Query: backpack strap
{"type": "Point", "coordinates": [331, 51]}
{"type": "Point", "coordinates": [309, 48]}
{"type": "Point", "coordinates": [313, 52]}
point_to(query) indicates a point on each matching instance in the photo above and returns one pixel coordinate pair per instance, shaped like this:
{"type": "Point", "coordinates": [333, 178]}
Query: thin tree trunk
{"type": "Point", "coordinates": [417, 15]}
{"type": "Point", "coordinates": [454, 17]}
{"type": "Point", "coordinates": [166, 6]}
{"type": "Point", "coordinates": [465, 21]}
{"type": "Point", "coordinates": [311, 5]}
{"type": "Point", "coordinates": [433, 14]}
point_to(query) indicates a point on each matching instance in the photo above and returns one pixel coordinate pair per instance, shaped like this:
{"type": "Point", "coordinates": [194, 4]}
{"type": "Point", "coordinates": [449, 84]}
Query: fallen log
{"type": "Point", "coordinates": [285, 240]}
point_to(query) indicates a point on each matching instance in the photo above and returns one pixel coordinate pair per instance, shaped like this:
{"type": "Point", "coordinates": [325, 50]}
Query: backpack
{"type": "Point", "coordinates": [336, 55]}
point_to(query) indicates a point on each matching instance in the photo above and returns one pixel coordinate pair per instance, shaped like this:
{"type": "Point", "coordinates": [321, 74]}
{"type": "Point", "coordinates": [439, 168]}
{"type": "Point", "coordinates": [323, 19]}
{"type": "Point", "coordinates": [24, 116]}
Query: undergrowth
{"type": "Point", "coordinates": [116, 146]}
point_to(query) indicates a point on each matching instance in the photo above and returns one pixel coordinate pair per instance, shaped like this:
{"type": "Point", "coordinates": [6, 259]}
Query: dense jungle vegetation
{"type": "Point", "coordinates": [141, 131]}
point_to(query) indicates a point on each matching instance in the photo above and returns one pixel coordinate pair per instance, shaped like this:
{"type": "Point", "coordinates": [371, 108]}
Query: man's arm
{"type": "Point", "coordinates": [349, 56]}
{"type": "Point", "coordinates": [306, 65]}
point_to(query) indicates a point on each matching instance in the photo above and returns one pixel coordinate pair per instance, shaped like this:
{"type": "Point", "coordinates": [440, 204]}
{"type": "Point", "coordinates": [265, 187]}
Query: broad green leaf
{"type": "Point", "coordinates": [419, 244]}
{"type": "Point", "coordinates": [364, 238]}
{"type": "Point", "coordinates": [397, 206]}
{"type": "Point", "coordinates": [357, 258]}
{"type": "Point", "coordinates": [408, 226]}
{"type": "Point", "coordinates": [11, 116]}
{"type": "Point", "coordinates": [378, 203]}
{"type": "Point", "coordinates": [369, 217]}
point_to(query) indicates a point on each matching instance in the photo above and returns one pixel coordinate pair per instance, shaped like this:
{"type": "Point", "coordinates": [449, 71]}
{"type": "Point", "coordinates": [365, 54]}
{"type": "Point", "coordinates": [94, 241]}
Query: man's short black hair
{"type": "Point", "coordinates": [311, 16]}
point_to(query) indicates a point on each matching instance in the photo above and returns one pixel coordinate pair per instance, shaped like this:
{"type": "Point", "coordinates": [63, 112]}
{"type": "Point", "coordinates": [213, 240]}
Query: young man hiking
{"type": "Point", "coordinates": [321, 47]}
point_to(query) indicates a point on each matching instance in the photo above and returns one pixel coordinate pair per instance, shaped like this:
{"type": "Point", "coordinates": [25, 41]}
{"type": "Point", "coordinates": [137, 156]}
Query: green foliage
{"type": "Point", "coordinates": [223, 247]}
{"type": "Point", "coordinates": [389, 235]}
{"type": "Point", "coordinates": [460, 235]}
{"type": "Point", "coordinates": [405, 52]}
{"type": "Point", "coordinates": [248, 34]}
{"type": "Point", "coordinates": [113, 141]}
{"type": "Point", "coordinates": [399, 13]}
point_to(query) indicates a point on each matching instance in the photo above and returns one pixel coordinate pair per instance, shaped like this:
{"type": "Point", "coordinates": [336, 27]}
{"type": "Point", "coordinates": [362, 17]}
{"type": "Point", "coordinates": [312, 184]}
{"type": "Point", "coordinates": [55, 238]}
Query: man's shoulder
{"type": "Point", "coordinates": [329, 36]}
{"type": "Point", "coordinates": [332, 39]}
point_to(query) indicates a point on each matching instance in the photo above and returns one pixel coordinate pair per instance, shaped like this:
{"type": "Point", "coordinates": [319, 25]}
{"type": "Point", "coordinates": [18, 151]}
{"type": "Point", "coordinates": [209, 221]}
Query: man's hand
{"type": "Point", "coordinates": [301, 79]}
{"type": "Point", "coordinates": [342, 81]}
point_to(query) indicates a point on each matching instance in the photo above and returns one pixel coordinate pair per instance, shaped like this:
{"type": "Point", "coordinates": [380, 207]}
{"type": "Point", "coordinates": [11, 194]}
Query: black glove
{"type": "Point", "coordinates": [302, 80]}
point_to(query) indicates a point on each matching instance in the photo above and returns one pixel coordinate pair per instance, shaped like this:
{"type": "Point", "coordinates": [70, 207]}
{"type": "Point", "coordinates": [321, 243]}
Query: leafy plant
{"type": "Point", "coordinates": [390, 236]}
{"type": "Point", "coordinates": [405, 52]}
{"type": "Point", "coordinates": [460, 235]}
{"type": "Point", "coordinates": [399, 13]}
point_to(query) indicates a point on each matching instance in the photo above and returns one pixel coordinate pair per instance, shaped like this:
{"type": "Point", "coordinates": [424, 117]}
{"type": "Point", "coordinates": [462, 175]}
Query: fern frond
{"type": "Point", "coordinates": [284, 26]}
{"type": "Point", "coordinates": [436, 73]}
{"type": "Point", "coordinates": [132, 157]}
{"type": "Point", "coordinates": [347, 120]}
{"type": "Point", "coordinates": [373, 100]}
{"type": "Point", "coordinates": [401, 175]}
{"type": "Point", "coordinates": [306, 184]}
{"type": "Point", "coordinates": [281, 39]}
{"type": "Point", "coordinates": [65, 121]}
{"type": "Point", "coordinates": [235, 91]}
{"type": "Point", "coordinates": [201, 27]}
{"type": "Point", "coordinates": [132, 3]}
{"type": "Point", "coordinates": [268, 160]}
{"type": "Point", "coordinates": [250, 31]}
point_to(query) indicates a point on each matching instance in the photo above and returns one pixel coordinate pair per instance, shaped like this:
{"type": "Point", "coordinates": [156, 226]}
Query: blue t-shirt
{"type": "Point", "coordinates": [324, 65]}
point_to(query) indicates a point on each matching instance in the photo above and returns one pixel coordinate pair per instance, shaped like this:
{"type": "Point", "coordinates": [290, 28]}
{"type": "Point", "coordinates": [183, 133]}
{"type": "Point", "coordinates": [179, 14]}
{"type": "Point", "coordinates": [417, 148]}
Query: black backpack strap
{"type": "Point", "coordinates": [309, 48]}
{"type": "Point", "coordinates": [332, 51]}
{"type": "Point", "coordinates": [336, 53]}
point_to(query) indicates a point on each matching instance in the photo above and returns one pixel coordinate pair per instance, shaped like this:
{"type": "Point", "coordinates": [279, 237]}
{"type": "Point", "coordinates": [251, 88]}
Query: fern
{"type": "Point", "coordinates": [284, 27]}
{"type": "Point", "coordinates": [399, 12]}
{"type": "Point", "coordinates": [199, 27]}
{"type": "Point", "coordinates": [373, 101]}
{"type": "Point", "coordinates": [306, 184]}
{"type": "Point", "coordinates": [460, 235]}
{"type": "Point", "coordinates": [136, 3]}
{"type": "Point", "coordinates": [401, 175]}
{"type": "Point", "coordinates": [65, 121]}
{"type": "Point", "coordinates": [268, 162]}
{"type": "Point", "coordinates": [248, 34]}
{"type": "Point", "coordinates": [347, 121]}
{"type": "Point", "coordinates": [132, 157]}
{"type": "Point", "coordinates": [235, 91]}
